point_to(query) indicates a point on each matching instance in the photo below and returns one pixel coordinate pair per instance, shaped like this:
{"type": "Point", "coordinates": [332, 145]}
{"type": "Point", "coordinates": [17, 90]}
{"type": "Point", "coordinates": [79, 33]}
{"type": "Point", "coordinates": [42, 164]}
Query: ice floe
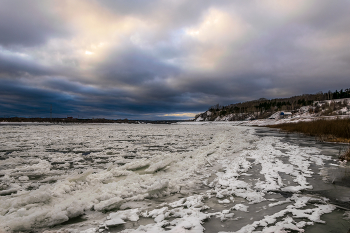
{"type": "Point", "coordinates": [114, 175]}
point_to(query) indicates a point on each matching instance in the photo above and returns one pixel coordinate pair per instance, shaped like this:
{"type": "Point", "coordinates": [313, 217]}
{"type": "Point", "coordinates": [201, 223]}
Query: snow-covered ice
{"type": "Point", "coordinates": [112, 176]}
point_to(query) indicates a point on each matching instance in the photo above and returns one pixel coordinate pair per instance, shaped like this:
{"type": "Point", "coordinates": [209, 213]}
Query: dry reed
{"type": "Point", "coordinates": [345, 156]}
{"type": "Point", "coordinates": [335, 130]}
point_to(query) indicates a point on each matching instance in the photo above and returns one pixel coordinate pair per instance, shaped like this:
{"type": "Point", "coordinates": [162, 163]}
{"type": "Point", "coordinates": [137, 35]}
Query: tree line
{"type": "Point", "coordinates": [262, 107]}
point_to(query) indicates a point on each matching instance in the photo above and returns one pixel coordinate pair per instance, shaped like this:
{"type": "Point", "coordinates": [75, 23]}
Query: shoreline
{"type": "Point", "coordinates": [330, 130]}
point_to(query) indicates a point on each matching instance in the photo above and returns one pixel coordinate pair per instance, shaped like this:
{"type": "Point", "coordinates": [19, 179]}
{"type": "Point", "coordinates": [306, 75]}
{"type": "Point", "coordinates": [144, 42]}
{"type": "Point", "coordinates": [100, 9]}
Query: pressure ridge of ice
{"type": "Point", "coordinates": [108, 173]}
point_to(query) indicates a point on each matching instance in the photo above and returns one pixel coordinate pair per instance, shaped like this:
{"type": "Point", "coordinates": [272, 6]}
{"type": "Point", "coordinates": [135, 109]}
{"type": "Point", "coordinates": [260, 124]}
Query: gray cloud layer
{"type": "Point", "coordinates": [143, 60]}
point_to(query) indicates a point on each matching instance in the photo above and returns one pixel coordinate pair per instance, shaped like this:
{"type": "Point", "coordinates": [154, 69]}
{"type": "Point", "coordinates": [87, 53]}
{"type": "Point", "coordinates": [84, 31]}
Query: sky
{"type": "Point", "coordinates": [166, 59]}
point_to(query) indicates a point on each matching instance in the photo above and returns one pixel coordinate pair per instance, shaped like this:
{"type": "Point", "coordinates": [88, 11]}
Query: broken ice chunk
{"type": "Point", "coordinates": [225, 201]}
{"type": "Point", "coordinates": [240, 207]}
{"type": "Point", "coordinates": [114, 222]}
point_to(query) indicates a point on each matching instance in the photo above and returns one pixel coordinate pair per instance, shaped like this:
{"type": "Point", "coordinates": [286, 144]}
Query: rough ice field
{"type": "Point", "coordinates": [154, 178]}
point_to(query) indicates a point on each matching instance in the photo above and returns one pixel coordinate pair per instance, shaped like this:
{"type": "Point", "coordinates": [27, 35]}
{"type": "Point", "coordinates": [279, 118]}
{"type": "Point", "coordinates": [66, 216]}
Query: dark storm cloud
{"type": "Point", "coordinates": [16, 65]}
{"type": "Point", "coordinates": [133, 66]}
{"type": "Point", "coordinates": [144, 59]}
{"type": "Point", "coordinates": [66, 98]}
{"type": "Point", "coordinates": [60, 84]}
{"type": "Point", "coordinates": [19, 99]}
{"type": "Point", "coordinates": [29, 23]}
{"type": "Point", "coordinates": [224, 90]}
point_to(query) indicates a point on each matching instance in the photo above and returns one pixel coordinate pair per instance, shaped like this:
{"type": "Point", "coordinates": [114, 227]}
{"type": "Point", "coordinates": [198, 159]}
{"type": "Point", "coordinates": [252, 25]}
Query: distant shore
{"type": "Point", "coordinates": [82, 120]}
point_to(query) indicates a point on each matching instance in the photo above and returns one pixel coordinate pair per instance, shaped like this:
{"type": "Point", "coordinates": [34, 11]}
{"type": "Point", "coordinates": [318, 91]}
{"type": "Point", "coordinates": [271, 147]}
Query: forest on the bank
{"type": "Point", "coordinates": [266, 106]}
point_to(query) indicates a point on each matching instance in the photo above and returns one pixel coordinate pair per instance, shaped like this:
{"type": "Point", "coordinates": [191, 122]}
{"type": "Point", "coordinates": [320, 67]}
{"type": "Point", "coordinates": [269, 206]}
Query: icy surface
{"type": "Point", "coordinates": [114, 176]}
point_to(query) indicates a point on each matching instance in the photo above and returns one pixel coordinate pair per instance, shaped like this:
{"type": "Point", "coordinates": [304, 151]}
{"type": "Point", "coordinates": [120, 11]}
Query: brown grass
{"type": "Point", "coordinates": [336, 130]}
{"type": "Point", "coordinates": [345, 156]}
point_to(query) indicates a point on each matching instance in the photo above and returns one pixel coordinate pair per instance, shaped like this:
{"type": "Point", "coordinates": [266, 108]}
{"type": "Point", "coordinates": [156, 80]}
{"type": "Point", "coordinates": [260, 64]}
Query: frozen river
{"type": "Point", "coordinates": [168, 178]}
